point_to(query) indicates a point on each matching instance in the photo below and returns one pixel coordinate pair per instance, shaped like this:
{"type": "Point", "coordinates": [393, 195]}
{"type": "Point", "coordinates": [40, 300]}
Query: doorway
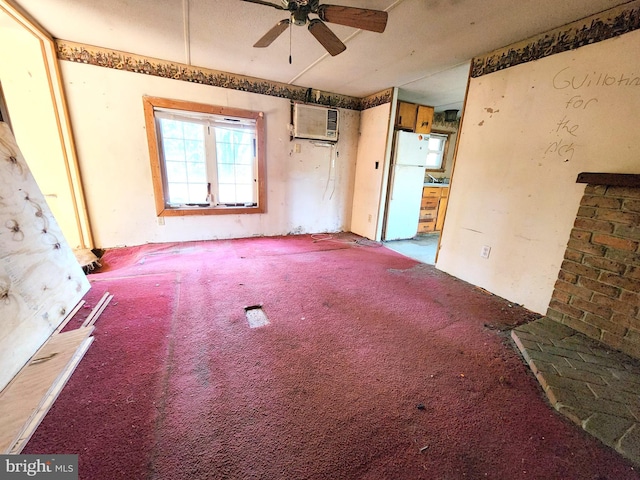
{"type": "Point", "coordinates": [422, 248]}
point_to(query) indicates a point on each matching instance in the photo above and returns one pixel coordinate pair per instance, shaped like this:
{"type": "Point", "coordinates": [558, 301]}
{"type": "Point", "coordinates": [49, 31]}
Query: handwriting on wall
{"type": "Point", "coordinates": [581, 94]}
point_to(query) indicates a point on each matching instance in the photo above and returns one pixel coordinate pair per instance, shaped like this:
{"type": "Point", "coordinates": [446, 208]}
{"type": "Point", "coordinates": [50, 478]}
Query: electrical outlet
{"type": "Point", "coordinates": [485, 251]}
{"type": "Point", "coordinates": [160, 220]}
{"type": "Point", "coordinates": [297, 148]}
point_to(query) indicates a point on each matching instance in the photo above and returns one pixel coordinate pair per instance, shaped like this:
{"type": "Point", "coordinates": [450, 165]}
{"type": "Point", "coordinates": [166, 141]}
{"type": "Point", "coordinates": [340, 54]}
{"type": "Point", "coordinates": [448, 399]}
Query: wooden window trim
{"type": "Point", "coordinates": [156, 164]}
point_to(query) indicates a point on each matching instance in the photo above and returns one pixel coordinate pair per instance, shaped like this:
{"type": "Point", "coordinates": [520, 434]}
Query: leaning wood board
{"type": "Point", "coordinates": [24, 396]}
{"type": "Point", "coordinates": [40, 278]}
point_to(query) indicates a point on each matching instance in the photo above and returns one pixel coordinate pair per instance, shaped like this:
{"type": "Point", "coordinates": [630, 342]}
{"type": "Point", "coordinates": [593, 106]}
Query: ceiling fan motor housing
{"type": "Point", "coordinates": [301, 15]}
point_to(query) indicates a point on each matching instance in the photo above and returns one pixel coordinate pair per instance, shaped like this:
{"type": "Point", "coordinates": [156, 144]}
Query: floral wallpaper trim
{"type": "Point", "coordinates": [598, 27]}
{"type": "Point", "coordinates": [104, 57]}
{"type": "Point", "coordinates": [376, 99]}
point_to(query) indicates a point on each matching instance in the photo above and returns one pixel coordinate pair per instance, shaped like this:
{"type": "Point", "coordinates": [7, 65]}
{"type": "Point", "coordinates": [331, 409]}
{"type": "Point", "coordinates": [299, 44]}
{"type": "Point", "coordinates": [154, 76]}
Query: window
{"type": "Point", "coordinates": [205, 160]}
{"type": "Point", "coordinates": [437, 151]}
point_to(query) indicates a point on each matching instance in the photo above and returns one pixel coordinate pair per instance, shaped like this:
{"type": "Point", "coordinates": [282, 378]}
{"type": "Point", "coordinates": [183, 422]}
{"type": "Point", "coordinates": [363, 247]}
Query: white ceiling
{"type": "Point", "coordinates": [425, 50]}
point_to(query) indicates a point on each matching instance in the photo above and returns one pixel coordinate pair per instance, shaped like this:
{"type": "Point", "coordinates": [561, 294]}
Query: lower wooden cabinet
{"type": "Point", "coordinates": [434, 203]}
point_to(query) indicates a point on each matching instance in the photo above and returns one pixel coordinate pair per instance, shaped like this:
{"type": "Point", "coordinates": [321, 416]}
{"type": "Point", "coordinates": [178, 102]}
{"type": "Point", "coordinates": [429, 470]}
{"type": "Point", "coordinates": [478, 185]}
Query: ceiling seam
{"type": "Point", "coordinates": [187, 31]}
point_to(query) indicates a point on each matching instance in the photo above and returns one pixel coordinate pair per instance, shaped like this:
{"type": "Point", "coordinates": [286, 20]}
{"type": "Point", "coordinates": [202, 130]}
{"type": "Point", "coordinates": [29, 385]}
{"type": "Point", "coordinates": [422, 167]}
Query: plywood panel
{"type": "Point", "coordinates": [21, 401]}
{"type": "Point", "coordinates": [40, 278]}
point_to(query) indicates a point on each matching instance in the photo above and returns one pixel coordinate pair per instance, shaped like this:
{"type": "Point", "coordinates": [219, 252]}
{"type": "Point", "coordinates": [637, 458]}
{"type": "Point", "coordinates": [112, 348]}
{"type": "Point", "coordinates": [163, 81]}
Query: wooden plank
{"type": "Point", "coordinates": [610, 179]}
{"type": "Point", "coordinates": [27, 391]}
{"type": "Point", "coordinates": [99, 312]}
{"type": "Point", "coordinates": [51, 397]}
{"type": "Point", "coordinates": [71, 314]}
{"type": "Point", "coordinates": [96, 310]}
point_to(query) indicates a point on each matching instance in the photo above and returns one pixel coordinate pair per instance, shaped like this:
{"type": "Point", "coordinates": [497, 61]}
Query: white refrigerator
{"type": "Point", "coordinates": [407, 179]}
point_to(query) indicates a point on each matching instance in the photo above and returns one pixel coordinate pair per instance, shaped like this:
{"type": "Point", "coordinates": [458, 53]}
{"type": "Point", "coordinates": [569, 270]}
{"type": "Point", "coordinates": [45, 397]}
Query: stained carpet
{"type": "Point", "coordinates": [372, 366]}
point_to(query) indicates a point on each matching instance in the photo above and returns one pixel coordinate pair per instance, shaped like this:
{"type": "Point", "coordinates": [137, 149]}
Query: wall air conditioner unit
{"type": "Point", "coordinates": [315, 123]}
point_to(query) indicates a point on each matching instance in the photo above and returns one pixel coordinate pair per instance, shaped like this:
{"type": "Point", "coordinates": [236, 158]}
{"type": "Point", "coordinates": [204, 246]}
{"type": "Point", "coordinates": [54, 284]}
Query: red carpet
{"type": "Point", "coordinates": [373, 367]}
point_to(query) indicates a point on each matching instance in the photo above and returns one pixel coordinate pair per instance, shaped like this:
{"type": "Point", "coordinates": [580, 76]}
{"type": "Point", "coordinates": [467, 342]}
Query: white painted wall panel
{"type": "Point", "coordinates": [307, 192]}
{"type": "Point", "coordinates": [367, 196]}
{"type": "Point", "coordinates": [528, 131]}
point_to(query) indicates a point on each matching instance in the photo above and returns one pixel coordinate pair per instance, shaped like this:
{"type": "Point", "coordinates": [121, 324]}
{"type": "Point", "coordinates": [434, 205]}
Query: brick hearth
{"type": "Point", "coordinates": [598, 288]}
{"type": "Point", "coordinates": [594, 311]}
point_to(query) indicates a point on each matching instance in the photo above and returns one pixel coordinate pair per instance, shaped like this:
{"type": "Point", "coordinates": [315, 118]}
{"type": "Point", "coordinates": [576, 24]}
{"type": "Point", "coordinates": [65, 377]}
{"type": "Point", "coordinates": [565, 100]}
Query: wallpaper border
{"type": "Point", "coordinates": [129, 62]}
{"type": "Point", "coordinates": [596, 28]}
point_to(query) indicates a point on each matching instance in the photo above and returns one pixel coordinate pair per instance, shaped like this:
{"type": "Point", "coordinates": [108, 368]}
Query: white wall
{"type": "Point", "coordinates": [307, 192]}
{"type": "Point", "coordinates": [374, 128]}
{"type": "Point", "coordinates": [511, 189]}
{"type": "Point", "coordinates": [32, 111]}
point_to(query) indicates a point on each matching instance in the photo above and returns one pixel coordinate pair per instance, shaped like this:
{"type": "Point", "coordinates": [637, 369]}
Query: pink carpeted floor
{"type": "Point", "coordinates": [373, 366]}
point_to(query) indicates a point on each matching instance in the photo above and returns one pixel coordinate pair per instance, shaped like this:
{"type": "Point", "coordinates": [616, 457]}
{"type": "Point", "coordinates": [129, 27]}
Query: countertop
{"type": "Point", "coordinates": [436, 184]}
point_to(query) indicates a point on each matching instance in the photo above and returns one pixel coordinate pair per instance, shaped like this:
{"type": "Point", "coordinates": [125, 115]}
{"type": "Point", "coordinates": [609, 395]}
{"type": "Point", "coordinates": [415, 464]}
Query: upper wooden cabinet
{"type": "Point", "coordinates": [424, 119]}
{"type": "Point", "coordinates": [406, 115]}
{"type": "Point", "coordinates": [413, 117]}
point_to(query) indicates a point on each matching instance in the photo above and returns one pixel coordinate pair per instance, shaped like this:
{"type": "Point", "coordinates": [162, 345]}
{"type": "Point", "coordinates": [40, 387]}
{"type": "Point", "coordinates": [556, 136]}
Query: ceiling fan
{"type": "Point", "coordinates": [364, 18]}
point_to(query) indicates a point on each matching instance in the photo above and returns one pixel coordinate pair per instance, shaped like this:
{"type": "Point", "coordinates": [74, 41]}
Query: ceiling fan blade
{"type": "Point", "coordinates": [261, 2]}
{"type": "Point", "coordinates": [272, 34]}
{"type": "Point", "coordinates": [364, 18]}
{"type": "Point", "coordinates": [326, 37]}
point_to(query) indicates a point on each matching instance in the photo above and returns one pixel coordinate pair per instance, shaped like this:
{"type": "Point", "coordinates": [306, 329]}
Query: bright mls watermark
{"type": "Point", "coordinates": [51, 467]}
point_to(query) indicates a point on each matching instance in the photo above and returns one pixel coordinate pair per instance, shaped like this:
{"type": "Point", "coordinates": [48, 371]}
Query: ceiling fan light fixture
{"type": "Point", "coordinates": [362, 18]}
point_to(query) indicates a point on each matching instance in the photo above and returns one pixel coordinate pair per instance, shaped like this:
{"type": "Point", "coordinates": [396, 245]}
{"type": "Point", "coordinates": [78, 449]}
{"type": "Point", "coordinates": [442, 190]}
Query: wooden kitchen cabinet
{"type": "Point", "coordinates": [413, 117]}
{"type": "Point", "coordinates": [424, 119]}
{"type": "Point", "coordinates": [406, 116]}
{"type": "Point", "coordinates": [434, 203]}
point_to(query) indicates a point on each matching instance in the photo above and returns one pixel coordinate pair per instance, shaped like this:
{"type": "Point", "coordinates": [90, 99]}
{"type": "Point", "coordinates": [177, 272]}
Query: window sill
{"type": "Point", "coordinates": [207, 210]}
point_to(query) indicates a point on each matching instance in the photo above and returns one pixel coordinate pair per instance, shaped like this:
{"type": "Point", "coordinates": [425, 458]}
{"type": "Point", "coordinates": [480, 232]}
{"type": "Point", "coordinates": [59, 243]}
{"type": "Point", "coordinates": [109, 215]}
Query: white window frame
{"type": "Point", "coordinates": [442, 153]}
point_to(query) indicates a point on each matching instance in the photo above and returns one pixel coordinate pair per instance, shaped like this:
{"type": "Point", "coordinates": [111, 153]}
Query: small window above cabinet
{"type": "Point", "coordinates": [413, 117]}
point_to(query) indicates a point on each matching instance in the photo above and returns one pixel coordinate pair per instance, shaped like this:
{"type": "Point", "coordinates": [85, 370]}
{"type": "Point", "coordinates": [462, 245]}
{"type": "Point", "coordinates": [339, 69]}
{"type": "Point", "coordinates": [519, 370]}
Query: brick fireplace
{"type": "Point", "coordinates": [598, 288]}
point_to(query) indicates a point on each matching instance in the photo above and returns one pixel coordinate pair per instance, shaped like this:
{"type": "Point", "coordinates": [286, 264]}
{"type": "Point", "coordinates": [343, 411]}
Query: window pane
{"type": "Point", "coordinates": [244, 193]}
{"type": "Point", "coordinates": [235, 156]}
{"type": "Point", "coordinates": [170, 128]}
{"type": "Point", "coordinates": [194, 150]}
{"type": "Point", "coordinates": [193, 131]}
{"type": "Point", "coordinates": [197, 193]}
{"type": "Point", "coordinates": [196, 172]}
{"type": "Point", "coordinates": [244, 174]}
{"type": "Point", "coordinates": [173, 149]}
{"type": "Point", "coordinates": [436, 143]}
{"type": "Point", "coordinates": [178, 193]}
{"type": "Point", "coordinates": [244, 154]}
{"type": "Point", "coordinates": [227, 193]}
{"type": "Point", "coordinates": [176, 172]}
{"type": "Point", "coordinates": [434, 160]}
{"type": "Point", "coordinates": [223, 135]}
{"type": "Point", "coordinates": [226, 173]}
{"type": "Point", "coordinates": [185, 166]}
